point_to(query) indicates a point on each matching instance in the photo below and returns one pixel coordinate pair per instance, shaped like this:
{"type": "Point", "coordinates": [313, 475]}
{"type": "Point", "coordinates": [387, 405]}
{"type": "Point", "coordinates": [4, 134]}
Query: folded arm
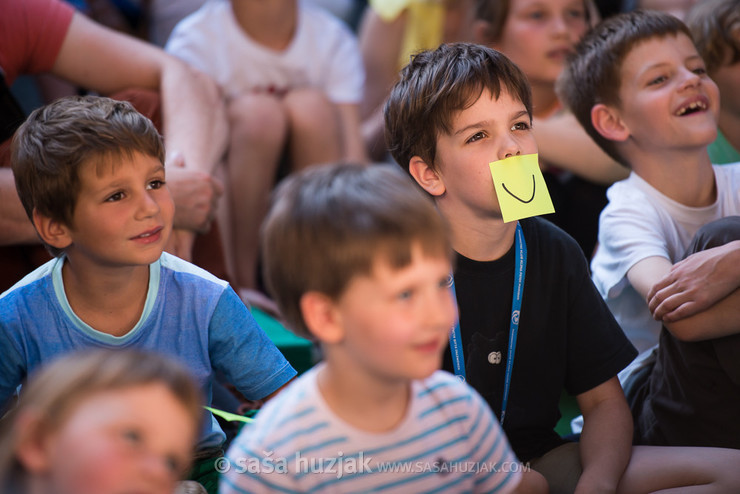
{"type": "Point", "coordinates": [719, 318]}
{"type": "Point", "coordinates": [696, 283]}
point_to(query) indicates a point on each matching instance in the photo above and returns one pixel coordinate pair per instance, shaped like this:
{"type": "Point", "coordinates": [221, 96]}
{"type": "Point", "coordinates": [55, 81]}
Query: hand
{"type": "Point", "coordinates": [195, 194]}
{"type": "Point", "coordinates": [180, 244]}
{"type": "Point", "coordinates": [696, 283]}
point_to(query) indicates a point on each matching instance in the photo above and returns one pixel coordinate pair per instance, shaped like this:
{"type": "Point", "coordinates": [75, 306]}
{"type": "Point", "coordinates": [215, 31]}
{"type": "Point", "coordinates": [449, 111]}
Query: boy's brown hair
{"type": "Point", "coordinates": [49, 148]}
{"type": "Point", "coordinates": [715, 25]}
{"type": "Point", "coordinates": [331, 223]}
{"type": "Point", "coordinates": [437, 84]}
{"type": "Point", "coordinates": [593, 72]}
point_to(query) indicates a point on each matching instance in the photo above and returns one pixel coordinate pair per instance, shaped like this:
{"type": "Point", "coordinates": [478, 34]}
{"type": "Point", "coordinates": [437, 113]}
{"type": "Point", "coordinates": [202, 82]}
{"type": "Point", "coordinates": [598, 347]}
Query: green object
{"type": "Point", "coordinates": [300, 352]}
{"type": "Point", "coordinates": [721, 151]}
{"type": "Point", "coordinates": [204, 472]}
{"type": "Point", "coordinates": [568, 410]}
{"type": "Point", "coordinates": [231, 417]}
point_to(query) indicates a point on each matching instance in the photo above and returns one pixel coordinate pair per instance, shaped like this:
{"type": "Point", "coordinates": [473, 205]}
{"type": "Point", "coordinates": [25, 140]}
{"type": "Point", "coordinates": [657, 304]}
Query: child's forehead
{"type": "Point", "coordinates": [103, 165]}
{"type": "Point", "coordinates": [657, 50]}
{"type": "Point", "coordinates": [486, 104]}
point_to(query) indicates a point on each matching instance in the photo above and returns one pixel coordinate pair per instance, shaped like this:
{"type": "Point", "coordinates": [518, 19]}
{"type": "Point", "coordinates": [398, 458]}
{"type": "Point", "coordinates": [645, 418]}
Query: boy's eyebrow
{"type": "Point", "coordinates": [485, 123]}
{"type": "Point", "coordinates": [658, 65]}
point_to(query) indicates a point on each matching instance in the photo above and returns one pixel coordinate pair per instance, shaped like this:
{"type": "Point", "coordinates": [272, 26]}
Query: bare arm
{"type": "Point", "coordinates": [696, 283]}
{"type": "Point", "coordinates": [380, 45]}
{"type": "Point", "coordinates": [606, 440]}
{"type": "Point", "coordinates": [719, 319]}
{"type": "Point", "coordinates": [563, 143]}
{"type": "Point", "coordinates": [15, 225]}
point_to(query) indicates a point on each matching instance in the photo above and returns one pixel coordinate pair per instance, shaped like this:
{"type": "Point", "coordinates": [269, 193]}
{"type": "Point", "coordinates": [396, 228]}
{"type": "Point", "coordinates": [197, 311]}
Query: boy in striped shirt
{"type": "Point", "coordinates": [359, 260]}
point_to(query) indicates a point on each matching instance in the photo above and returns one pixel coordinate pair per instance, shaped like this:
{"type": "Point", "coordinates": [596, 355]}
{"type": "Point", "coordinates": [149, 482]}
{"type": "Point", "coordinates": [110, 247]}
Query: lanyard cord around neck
{"type": "Point", "coordinates": [458, 359]}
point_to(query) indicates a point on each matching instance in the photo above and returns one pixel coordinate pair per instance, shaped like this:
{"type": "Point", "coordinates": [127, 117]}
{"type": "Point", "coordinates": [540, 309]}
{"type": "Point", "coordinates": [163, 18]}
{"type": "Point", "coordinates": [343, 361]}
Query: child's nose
{"type": "Point", "coordinates": [509, 149]}
{"type": "Point", "coordinates": [559, 25]}
{"type": "Point", "coordinates": [158, 473]}
{"type": "Point", "coordinates": [690, 78]}
{"type": "Point", "coordinates": [148, 206]}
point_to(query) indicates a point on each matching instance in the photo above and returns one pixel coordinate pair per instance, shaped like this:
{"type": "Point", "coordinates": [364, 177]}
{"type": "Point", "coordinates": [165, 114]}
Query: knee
{"type": "Point", "coordinates": [310, 108]}
{"type": "Point", "coordinates": [716, 233]}
{"type": "Point", "coordinates": [257, 118]}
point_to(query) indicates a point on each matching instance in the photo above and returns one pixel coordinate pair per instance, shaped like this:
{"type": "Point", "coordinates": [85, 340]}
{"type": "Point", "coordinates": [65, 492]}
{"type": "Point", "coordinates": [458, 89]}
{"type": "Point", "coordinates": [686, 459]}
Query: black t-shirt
{"type": "Point", "coordinates": [567, 337]}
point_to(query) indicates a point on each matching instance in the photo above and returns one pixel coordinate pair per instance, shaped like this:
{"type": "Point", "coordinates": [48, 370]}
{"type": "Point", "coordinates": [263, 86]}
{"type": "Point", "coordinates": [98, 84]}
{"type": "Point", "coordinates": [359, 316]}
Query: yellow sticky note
{"type": "Point", "coordinates": [520, 187]}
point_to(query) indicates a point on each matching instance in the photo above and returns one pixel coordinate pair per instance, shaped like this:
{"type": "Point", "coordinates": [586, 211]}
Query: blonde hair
{"type": "Point", "coordinates": [58, 388]}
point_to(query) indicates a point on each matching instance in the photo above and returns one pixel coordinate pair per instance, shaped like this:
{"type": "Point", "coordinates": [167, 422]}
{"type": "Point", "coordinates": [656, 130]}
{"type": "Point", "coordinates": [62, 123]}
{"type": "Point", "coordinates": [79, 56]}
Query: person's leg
{"type": "Point", "coordinates": [257, 136]}
{"type": "Point", "coordinates": [715, 234]}
{"type": "Point", "coordinates": [561, 467]}
{"type": "Point", "coordinates": [678, 469]}
{"type": "Point", "coordinates": [315, 135]}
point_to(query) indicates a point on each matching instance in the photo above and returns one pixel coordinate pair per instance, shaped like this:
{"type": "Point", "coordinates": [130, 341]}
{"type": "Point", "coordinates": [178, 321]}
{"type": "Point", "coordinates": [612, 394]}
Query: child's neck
{"type": "Point", "coordinates": [367, 402]}
{"type": "Point", "coordinates": [271, 24]}
{"type": "Point", "coordinates": [482, 240]}
{"type": "Point", "coordinates": [108, 300]}
{"type": "Point", "coordinates": [686, 177]}
{"type": "Point", "coordinates": [729, 124]}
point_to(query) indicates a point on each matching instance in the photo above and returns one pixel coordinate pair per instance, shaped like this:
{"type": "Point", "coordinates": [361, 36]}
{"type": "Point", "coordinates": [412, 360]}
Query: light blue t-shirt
{"type": "Point", "coordinates": [189, 315]}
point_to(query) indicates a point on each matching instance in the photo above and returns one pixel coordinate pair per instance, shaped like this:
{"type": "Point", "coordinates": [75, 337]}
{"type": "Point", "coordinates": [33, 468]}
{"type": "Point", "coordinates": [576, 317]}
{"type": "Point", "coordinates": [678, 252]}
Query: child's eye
{"type": "Point", "coordinates": [700, 71]}
{"type": "Point", "coordinates": [521, 126]}
{"type": "Point", "coordinates": [536, 15]}
{"type": "Point", "coordinates": [114, 197]}
{"type": "Point", "coordinates": [173, 465]}
{"type": "Point", "coordinates": [657, 80]}
{"type": "Point", "coordinates": [133, 436]}
{"type": "Point", "coordinates": [576, 14]}
{"type": "Point", "coordinates": [405, 295]}
{"type": "Point", "coordinates": [445, 283]}
{"type": "Point", "coordinates": [476, 137]}
{"type": "Point", "coordinates": [156, 184]}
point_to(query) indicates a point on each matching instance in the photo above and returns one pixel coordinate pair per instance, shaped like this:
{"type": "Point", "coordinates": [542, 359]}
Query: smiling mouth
{"type": "Point", "coordinates": [517, 197]}
{"type": "Point", "coordinates": [692, 108]}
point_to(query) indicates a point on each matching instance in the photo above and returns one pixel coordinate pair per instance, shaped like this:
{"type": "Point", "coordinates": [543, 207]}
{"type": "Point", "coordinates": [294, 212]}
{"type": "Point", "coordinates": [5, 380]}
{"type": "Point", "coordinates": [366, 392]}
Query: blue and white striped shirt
{"type": "Point", "coordinates": [449, 441]}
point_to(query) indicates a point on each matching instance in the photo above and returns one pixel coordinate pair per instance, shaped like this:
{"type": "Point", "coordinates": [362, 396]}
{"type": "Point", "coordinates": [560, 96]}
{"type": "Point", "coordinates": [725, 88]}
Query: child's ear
{"type": "Point", "coordinates": [31, 445]}
{"type": "Point", "coordinates": [482, 33]}
{"type": "Point", "coordinates": [51, 231]}
{"type": "Point", "coordinates": [321, 317]}
{"type": "Point", "coordinates": [426, 176]}
{"type": "Point", "coordinates": [608, 123]}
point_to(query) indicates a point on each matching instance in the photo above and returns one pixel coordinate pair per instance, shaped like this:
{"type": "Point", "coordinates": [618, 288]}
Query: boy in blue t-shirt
{"type": "Point", "coordinates": [90, 174]}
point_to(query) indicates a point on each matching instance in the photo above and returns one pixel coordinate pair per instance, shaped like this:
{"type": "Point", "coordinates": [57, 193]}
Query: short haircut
{"type": "Point", "coordinates": [331, 223]}
{"type": "Point", "coordinates": [594, 71]}
{"type": "Point", "coordinates": [57, 139]}
{"type": "Point", "coordinates": [715, 25]}
{"type": "Point", "coordinates": [496, 12]}
{"type": "Point", "coordinates": [437, 84]}
{"type": "Point", "coordinates": [57, 388]}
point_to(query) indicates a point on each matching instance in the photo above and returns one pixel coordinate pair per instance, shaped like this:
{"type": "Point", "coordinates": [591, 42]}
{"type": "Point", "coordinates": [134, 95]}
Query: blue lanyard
{"type": "Point", "coordinates": [458, 360]}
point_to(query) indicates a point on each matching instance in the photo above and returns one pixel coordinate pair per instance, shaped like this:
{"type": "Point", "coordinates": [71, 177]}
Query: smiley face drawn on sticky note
{"type": "Point", "coordinates": [520, 187]}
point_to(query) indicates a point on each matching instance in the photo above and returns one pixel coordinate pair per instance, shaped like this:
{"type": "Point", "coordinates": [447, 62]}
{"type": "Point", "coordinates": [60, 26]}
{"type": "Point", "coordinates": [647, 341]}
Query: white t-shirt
{"type": "Point", "coordinates": [640, 222]}
{"type": "Point", "coordinates": [323, 54]}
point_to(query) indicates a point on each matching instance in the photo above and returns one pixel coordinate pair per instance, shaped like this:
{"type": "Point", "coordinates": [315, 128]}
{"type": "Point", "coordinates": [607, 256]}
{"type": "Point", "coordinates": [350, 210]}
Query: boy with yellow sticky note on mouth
{"type": "Point", "coordinates": [531, 323]}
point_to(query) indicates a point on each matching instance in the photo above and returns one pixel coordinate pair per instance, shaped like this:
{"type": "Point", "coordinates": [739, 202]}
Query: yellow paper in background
{"type": "Point", "coordinates": [520, 187]}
